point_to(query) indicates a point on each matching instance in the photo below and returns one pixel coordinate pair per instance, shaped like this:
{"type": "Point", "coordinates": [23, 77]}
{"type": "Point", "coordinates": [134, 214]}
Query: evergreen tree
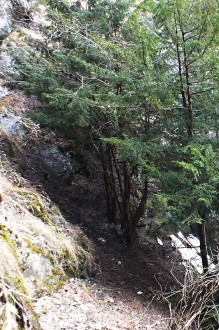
{"type": "Point", "coordinates": [190, 30]}
{"type": "Point", "coordinates": [95, 75]}
{"type": "Point", "coordinates": [140, 82]}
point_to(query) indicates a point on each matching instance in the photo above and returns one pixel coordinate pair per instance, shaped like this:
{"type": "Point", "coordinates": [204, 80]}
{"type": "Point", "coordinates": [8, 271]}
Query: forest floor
{"type": "Point", "coordinates": [124, 290]}
{"type": "Point", "coordinates": [121, 292]}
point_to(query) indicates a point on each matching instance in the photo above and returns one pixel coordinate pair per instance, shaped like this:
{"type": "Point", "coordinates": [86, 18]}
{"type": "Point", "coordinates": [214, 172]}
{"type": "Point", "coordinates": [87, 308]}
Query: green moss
{"type": "Point", "coordinates": [55, 209]}
{"type": "Point", "coordinates": [21, 286]}
{"type": "Point", "coordinates": [53, 283]}
{"type": "Point", "coordinates": [14, 281]}
{"type": "Point", "coordinates": [39, 211]}
{"type": "Point", "coordinates": [5, 235]}
{"type": "Point", "coordinates": [70, 262]}
{"type": "Point", "coordinates": [38, 250]}
{"type": "Point", "coordinates": [36, 206]}
{"type": "Point", "coordinates": [64, 221]}
{"type": "Point", "coordinates": [34, 248]}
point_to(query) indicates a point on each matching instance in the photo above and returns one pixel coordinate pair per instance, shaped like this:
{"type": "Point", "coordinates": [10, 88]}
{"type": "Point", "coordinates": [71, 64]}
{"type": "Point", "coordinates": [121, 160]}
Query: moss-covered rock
{"type": "Point", "coordinates": [39, 250]}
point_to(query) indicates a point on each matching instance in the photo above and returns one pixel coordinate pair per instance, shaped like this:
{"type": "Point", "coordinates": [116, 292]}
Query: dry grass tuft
{"type": "Point", "coordinates": [196, 307]}
{"type": "Point", "coordinates": [13, 314]}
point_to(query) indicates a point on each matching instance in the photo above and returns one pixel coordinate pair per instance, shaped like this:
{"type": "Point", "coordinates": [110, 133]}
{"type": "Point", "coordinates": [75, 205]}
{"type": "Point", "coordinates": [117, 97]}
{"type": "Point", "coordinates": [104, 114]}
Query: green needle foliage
{"type": "Point", "coordinates": [94, 77]}
{"type": "Point", "coordinates": [139, 83]}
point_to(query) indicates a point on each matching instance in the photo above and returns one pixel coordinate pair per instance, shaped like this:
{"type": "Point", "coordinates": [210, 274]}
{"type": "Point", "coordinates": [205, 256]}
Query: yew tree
{"type": "Point", "coordinates": [138, 83]}
{"type": "Point", "coordinates": [96, 76]}
{"type": "Point", "coordinates": [189, 53]}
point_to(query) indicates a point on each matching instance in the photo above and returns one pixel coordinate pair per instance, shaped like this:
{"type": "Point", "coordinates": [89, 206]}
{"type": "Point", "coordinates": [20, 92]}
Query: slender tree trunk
{"type": "Point", "coordinates": [106, 183]}
{"type": "Point", "coordinates": [112, 201]}
{"type": "Point", "coordinates": [114, 188]}
{"type": "Point", "coordinates": [184, 77]}
{"type": "Point", "coordinates": [180, 65]}
{"type": "Point", "coordinates": [203, 246]}
{"type": "Point", "coordinates": [142, 205]}
{"type": "Point", "coordinates": [126, 206]}
{"type": "Point", "coordinates": [189, 119]}
{"type": "Point", "coordinates": [202, 239]}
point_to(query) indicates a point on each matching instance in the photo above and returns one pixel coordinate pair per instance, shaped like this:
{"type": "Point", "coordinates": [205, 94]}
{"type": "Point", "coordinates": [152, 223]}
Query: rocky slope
{"type": "Point", "coordinates": [39, 250]}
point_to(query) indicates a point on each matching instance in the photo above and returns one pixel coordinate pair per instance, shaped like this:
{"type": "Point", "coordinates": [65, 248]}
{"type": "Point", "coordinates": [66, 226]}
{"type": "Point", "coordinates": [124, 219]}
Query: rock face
{"type": "Point", "coordinates": [56, 163]}
{"type": "Point", "coordinates": [5, 19]}
{"type": "Point", "coordinates": [37, 267]}
{"type": "Point", "coordinates": [13, 126]}
{"type": "Point", "coordinates": [10, 11]}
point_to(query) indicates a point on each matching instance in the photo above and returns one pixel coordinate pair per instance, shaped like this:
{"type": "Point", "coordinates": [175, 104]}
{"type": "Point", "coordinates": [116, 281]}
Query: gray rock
{"type": "Point", "coordinates": [5, 19]}
{"type": "Point", "coordinates": [38, 267]}
{"type": "Point", "coordinates": [13, 126]}
{"type": "Point", "coordinates": [12, 11]}
{"type": "Point", "coordinates": [4, 91]}
{"type": "Point", "coordinates": [6, 66]}
{"type": "Point", "coordinates": [57, 163]}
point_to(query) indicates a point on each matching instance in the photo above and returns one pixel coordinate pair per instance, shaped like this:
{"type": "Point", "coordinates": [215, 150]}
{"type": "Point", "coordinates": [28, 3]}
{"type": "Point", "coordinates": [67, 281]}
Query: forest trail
{"type": "Point", "coordinates": [122, 291]}
{"type": "Point", "coordinates": [120, 294]}
{"type": "Point", "coordinates": [114, 73]}
{"type": "Point", "coordinates": [125, 281]}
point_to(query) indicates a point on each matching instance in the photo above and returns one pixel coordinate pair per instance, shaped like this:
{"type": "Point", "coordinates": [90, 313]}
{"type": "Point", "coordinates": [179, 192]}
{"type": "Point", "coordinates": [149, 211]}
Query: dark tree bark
{"type": "Point", "coordinates": [129, 230]}
{"type": "Point", "coordinates": [202, 239]}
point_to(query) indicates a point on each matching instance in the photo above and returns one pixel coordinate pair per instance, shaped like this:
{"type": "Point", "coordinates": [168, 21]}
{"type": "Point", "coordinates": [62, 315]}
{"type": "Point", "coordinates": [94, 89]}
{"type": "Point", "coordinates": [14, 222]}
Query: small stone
{"type": "Point", "coordinates": [109, 300]}
{"type": "Point", "coordinates": [98, 326]}
{"type": "Point", "coordinates": [101, 240]}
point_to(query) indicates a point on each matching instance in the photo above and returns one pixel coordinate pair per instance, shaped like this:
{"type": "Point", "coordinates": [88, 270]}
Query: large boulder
{"type": "Point", "coordinates": [13, 126]}
{"type": "Point", "coordinates": [56, 163]}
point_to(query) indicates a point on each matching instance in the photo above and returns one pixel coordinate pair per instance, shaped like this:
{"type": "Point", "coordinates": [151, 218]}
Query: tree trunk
{"type": "Point", "coordinates": [203, 246]}
{"type": "Point", "coordinates": [142, 205]}
{"type": "Point", "coordinates": [113, 210]}
{"type": "Point", "coordinates": [126, 207]}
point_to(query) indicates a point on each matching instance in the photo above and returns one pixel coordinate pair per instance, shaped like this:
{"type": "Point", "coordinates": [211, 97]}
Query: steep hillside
{"type": "Point", "coordinates": [63, 265]}
{"type": "Point", "coordinates": [39, 249]}
{"type": "Point", "coordinates": [45, 250]}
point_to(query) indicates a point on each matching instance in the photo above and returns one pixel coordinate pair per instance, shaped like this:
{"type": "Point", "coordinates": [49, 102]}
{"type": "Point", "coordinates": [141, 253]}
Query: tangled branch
{"type": "Point", "coordinates": [197, 306]}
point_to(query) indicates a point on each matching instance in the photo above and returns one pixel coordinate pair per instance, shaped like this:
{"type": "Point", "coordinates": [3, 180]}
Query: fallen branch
{"type": "Point", "coordinates": [196, 308]}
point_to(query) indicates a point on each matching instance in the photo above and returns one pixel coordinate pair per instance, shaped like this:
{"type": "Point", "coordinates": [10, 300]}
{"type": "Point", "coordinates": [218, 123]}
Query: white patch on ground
{"type": "Point", "coordinates": [4, 91]}
{"type": "Point", "coordinates": [159, 241]}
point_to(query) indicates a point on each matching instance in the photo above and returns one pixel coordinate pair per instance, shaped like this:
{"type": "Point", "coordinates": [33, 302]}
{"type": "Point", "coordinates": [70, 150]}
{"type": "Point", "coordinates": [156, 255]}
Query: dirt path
{"type": "Point", "coordinates": [119, 294]}
{"type": "Point", "coordinates": [86, 306]}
